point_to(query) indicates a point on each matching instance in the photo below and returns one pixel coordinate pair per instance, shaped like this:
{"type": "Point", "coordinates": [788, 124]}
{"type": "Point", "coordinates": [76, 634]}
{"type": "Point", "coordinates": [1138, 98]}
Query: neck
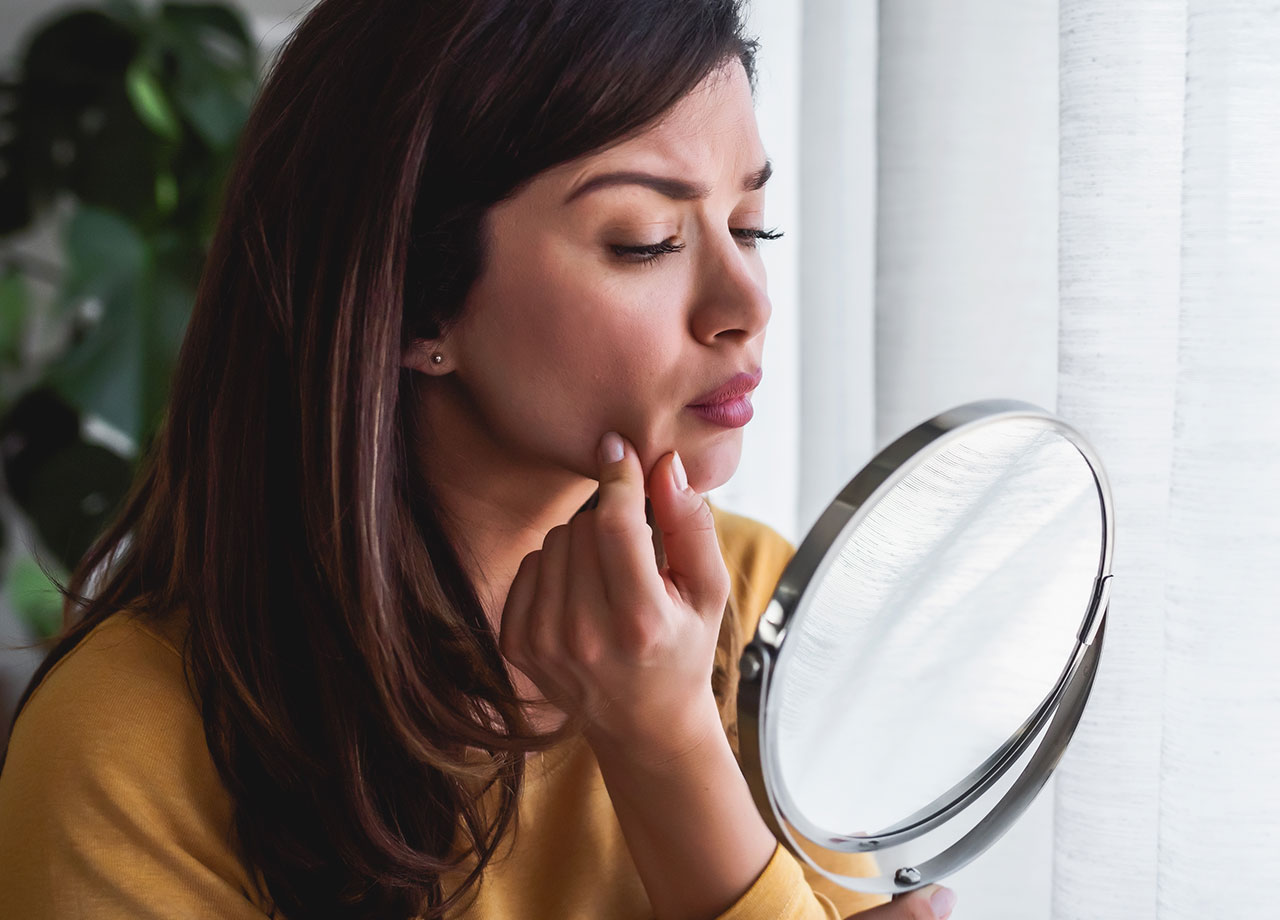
{"type": "Point", "coordinates": [498, 506]}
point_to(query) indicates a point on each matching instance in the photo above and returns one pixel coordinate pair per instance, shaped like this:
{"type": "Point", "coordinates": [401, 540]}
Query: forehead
{"type": "Point", "coordinates": [709, 132]}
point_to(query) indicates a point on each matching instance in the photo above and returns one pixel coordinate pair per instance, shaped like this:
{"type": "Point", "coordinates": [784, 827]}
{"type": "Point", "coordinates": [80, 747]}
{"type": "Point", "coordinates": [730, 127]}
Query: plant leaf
{"type": "Point", "coordinates": [108, 266]}
{"type": "Point", "coordinates": [76, 125]}
{"type": "Point", "coordinates": [149, 101]}
{"type": "Point", "coordinates": [216, 69]}
{"type": "Point", "coordinates": [144, 290]}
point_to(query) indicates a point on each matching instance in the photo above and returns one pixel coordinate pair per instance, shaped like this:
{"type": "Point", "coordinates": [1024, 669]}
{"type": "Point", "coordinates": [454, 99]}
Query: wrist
{"type": "Point", "coordinates": [673, 744]}
{"type": "Point", "coordinates": [690, 823]}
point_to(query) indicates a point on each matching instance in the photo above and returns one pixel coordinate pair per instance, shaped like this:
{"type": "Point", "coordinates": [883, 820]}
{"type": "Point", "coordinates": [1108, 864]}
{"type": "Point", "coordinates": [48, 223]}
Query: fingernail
{"type": "Point", "coordinates": [677, 472]}
{"type": "Point", "coordinates": [942, 901]}
{"type": "Point", "coordinates": [611, 448]}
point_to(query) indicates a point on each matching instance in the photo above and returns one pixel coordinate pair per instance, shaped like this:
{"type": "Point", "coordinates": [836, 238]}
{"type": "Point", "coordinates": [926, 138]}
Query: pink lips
{"type": "Point", "coordinates": [729, 405]}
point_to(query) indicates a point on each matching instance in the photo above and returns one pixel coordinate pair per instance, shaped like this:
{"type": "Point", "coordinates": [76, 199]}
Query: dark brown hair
{"type": "Point", "coordinates": [341, 659]}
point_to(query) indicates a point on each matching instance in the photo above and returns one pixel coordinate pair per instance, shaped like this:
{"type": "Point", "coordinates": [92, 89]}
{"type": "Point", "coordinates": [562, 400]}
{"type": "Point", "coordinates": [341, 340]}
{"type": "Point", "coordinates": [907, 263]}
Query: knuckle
{"type": "Point", "coordinates": [699, 519]}
{"type": "Point", "coordinates": [642, 635]}
{"type": "Point", "coordinates": [613, 519]}
{"type": "Point", "coordinates": [720, 583]}
{"type": "Point", "coordinates": [582, 644]}
{"type": "Point", "coordinates": [622, 473]}
{"type": "Point", "coordinates": [701, 511]}
{"type": "Point", "coordinates": [537, 630]}
{"type": "Point", "coordinates": [512, 649]}
{"type": "Point", "coordinates": [619, 518]}
{"type": "Point", "coordinates": [555, 536]}
{"type": "Point", "coordinates": [529, 564]}
{"type": "Point", "coordinates": [542, 644]}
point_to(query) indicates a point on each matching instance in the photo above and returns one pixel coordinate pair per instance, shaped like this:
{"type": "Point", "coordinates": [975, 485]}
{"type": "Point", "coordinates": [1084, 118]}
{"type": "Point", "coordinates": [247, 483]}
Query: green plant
{"type": "Point", "coordinates": [120, 123]}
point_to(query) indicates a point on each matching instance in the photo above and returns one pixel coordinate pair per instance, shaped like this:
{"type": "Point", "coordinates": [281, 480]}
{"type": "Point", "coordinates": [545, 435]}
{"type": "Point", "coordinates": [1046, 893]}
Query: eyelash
{"type": "Point", "coordinates": [650, 254]}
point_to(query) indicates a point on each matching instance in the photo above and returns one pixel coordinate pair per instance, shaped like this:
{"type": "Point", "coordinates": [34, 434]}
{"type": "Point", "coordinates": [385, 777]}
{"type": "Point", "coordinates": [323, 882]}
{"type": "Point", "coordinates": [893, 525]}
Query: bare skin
{"type": "Point", "coordinates": [564, 341]}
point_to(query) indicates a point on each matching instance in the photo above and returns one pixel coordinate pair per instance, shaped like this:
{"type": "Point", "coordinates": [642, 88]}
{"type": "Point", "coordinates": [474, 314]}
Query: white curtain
{"type": "Point", "coordinates": [1170, 348]}
{"type": "Point", "coordinates": [1075, 203]}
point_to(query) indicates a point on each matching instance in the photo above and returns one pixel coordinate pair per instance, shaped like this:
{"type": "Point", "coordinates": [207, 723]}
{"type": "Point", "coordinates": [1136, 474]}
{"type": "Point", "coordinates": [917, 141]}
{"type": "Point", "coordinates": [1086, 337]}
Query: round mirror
{"type": "Point", "coordinates": [929, 649]}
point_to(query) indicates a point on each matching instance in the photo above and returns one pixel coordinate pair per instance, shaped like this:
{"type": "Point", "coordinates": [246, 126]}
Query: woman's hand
{"type": "Point", "coordinates": [601, 631]}
{"type": "Point", "coordinates": [933, 902]}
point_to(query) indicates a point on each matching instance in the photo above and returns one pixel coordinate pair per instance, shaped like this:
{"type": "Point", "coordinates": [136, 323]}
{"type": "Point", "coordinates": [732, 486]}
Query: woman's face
{"type": "Point", "coordinates": [566, 335]}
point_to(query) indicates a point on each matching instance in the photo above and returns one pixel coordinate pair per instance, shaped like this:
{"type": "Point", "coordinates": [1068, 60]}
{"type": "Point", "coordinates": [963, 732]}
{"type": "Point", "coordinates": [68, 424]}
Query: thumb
{"type": "Point", "coordinates": [932, 902]}
{"type": "Point", "coordinates": [694, 561]}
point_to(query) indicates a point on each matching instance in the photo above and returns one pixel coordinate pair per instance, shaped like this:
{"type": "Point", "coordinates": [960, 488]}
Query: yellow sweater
{"type": "Point", "coordinates": [110, 806]}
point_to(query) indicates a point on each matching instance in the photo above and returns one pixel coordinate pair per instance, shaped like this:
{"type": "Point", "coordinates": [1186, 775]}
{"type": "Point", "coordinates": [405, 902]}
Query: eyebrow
{"type": "Point", "coordinates": [675, 189]}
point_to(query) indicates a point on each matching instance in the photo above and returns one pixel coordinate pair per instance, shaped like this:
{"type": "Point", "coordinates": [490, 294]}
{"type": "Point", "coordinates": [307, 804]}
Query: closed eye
{"type": "Point", "coordinates": [644, 255]}
{"type": "Point", "coordinates": [753, 235]}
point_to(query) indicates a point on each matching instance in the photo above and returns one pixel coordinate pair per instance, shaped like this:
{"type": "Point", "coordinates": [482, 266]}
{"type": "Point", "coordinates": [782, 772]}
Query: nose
{"type": "Point", "coordinates": [732, 299]}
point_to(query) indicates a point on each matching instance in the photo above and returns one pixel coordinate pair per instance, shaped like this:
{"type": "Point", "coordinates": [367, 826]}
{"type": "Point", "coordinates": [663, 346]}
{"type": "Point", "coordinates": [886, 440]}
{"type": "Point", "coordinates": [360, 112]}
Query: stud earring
{"type": "Point", "coordinates": [437, 358]}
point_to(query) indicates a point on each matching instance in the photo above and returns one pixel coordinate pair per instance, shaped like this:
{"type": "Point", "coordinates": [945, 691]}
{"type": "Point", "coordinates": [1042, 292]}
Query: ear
{"type": "Point", "coordinates": [428, 356]}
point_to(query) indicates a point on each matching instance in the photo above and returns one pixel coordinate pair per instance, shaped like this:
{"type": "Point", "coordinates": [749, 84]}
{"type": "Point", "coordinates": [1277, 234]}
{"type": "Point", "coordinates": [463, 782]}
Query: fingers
{"type": "Point", "coordinates": [530, 627]}
{"type": "Point", "coordinates": [513, 634]}
{"type": "Point", "coordinates": [695, 563]}
{"type": "Point", "coordinates": [694, 560]}
{"type": "Point", "coordinates": [933, 902]}
{"type": "Point", "coordinates": [550, 593]}
{"type": "Point", "coordinates": [622, 531]}
{"type": "Point", "coordinates": [582, 635]}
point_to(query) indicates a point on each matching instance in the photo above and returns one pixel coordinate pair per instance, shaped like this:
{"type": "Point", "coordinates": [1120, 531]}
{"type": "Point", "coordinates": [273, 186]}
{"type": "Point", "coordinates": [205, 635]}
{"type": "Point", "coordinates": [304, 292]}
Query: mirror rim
{"type": "Point", "coordinates": [812, 559]}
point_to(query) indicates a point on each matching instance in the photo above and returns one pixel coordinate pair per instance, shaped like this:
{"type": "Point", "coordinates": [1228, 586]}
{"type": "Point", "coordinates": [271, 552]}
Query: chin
{"type": "Point", "coordinates": [713, 465]}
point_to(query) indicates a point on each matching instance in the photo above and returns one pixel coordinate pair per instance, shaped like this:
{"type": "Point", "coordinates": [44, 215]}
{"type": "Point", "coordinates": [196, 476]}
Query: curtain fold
{"type": "Point", "coordinates": [1121, 123]}
{"type": "Point", "coordinates": [1220, 750]}
{"type": "Point", "coordinates": [1170, 357]}
{"type": "Point", "coordinates": [1220, 805]}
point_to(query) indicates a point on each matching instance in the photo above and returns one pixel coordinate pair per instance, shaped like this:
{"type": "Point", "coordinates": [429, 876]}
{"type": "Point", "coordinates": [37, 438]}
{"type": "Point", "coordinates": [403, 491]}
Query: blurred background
{"type": "Point", "coordinates": [1074, 203]}
{"type": "Point", "coordinates": [117, 126]}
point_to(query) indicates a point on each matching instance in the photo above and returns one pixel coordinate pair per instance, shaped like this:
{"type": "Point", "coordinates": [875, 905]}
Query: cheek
{"type": "Point", "coordinates": [626, 376]}
{"type": "Point", "coordinates": [596, 328]}
{"type": "Point", "coordinates": [563, 347]}
{"type": "Point", "coordinates": [575, 360]}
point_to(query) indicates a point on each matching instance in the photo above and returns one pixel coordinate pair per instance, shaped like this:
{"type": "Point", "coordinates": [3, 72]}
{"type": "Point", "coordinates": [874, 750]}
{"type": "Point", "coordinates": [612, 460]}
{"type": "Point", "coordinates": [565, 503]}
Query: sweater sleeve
{"type": "Point", "coordinates": [756, 556]}
{"type": "Point", "coordinates": [782, 893]}
{"type": "Point", "coordinates": [786, 890]}
{"type": "Point", "coordinates": [109, 803]}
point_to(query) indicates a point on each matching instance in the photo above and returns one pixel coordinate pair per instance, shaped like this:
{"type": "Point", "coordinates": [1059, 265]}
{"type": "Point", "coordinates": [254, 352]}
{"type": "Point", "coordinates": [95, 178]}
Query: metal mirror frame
{"type": "Point", "coordinates": [1060, 710]}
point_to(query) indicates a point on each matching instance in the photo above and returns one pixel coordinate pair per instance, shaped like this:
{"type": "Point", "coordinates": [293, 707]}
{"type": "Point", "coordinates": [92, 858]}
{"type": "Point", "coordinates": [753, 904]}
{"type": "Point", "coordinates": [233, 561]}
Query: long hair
{"type": "Point", "coordinates": [340, 657]}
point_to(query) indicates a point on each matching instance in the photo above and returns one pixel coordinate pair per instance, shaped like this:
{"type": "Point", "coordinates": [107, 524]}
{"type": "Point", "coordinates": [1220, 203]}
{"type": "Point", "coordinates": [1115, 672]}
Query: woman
{"type": "Point", "coordinates": [417, 589]}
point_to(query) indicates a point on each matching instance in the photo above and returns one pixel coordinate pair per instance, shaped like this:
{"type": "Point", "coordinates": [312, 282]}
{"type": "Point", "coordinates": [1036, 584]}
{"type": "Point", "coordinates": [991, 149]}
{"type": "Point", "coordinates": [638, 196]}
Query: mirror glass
{"type": "Point", "coordinates": [943, 616]}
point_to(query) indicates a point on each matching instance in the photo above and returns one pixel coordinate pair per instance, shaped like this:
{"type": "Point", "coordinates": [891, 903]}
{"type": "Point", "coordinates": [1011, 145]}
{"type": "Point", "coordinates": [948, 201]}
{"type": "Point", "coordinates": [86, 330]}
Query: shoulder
{"type": "Point", "coordinates": [755, 555]}
{"type": "Point", "coordinates": [122, 687]}
{"type": "Point", "coordinates": [121, 694]}
{"type": "Point", "coordinates": [109, 789]}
